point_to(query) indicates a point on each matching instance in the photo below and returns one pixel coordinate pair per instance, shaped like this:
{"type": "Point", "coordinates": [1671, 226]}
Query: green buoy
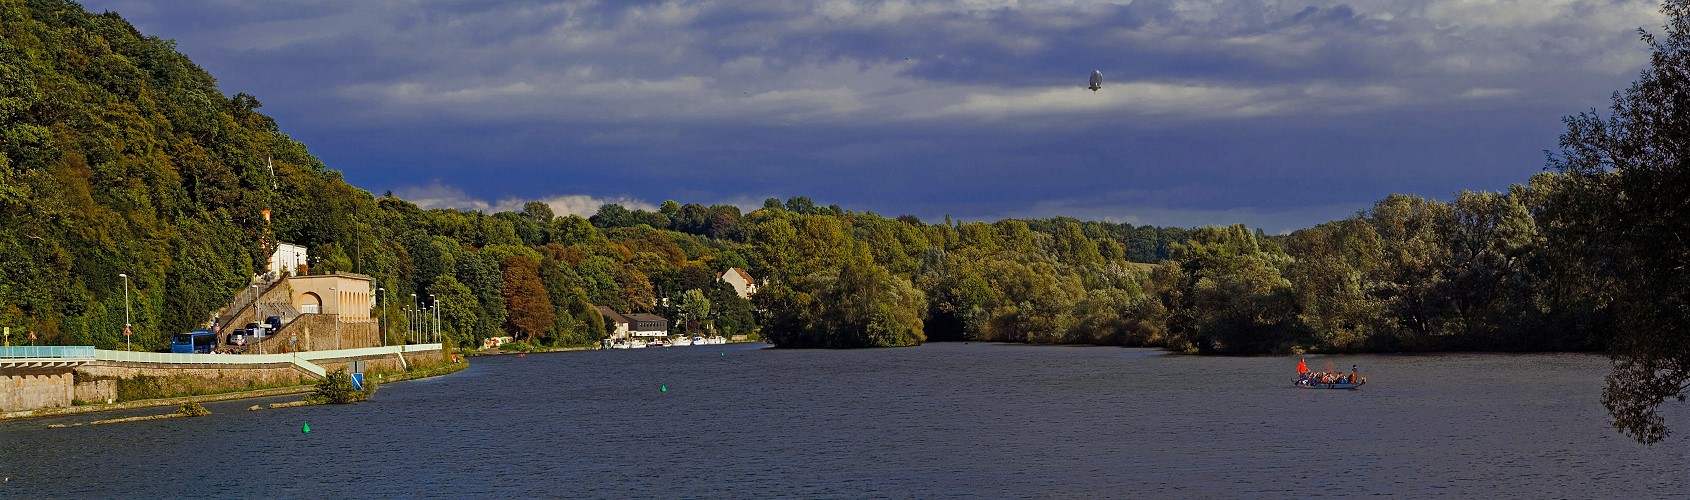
{"type": "Point", "coordinates": [663, 388]}
{"type": "Point", "coordinates": [306, 429]}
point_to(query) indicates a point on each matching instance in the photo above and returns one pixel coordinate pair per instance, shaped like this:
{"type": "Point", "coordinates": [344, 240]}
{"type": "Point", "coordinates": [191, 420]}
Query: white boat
{"type": "Point", "coordinates": [637, 344]}
{"type": "Point", "coordinates": [718, 339]}
{"type": "Point", "coordinates": [680, 341]}
{"type": "Point", "coordinates": [699, 341]}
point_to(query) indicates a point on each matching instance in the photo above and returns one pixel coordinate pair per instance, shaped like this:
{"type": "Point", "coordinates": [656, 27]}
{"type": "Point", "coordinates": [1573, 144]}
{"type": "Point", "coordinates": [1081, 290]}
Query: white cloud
{"type": "Point", "coordinates": [1486, 93]}
{"type": "Point", "coordinates": [438, 195]}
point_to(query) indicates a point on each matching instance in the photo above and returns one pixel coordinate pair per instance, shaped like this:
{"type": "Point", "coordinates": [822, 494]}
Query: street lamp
{"type": "Point", "coordinates": [257, 316]}
{"type": "Point", "coordinates": [416, 307]}
{"type": "Point", "coordinates": [435, 321]}
{"type": "Point", "coordinates": [126, 333]}
{"type": "Point", "coordinates": [258, 334]}
{"type": "Point", "coordinates": [381, 323]}
{"type": "Point", "coordinates": [336, 317]}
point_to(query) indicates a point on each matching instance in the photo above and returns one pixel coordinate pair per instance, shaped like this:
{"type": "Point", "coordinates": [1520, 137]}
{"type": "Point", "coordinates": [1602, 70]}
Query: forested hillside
{"type": "Point", "coordinates": [120, 156]}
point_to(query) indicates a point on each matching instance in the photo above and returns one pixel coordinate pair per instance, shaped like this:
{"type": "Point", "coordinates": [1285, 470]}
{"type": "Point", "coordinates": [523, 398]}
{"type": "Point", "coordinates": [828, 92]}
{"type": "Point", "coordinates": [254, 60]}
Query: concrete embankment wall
{"type": "Point", "coordinates": [35, 387]}
{"type": "Point", "coordinates": [108, 380]}
{"type": "Point", "coordinates": [103, 381]}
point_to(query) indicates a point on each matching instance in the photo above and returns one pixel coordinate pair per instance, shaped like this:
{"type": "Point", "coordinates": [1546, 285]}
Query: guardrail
{"type": "Point", "coordinates": [168, 357]}
{"type": "Point", "coordinates": [368, 351]}
{"type": "Point", "coordinates": [47, 351]}
{"type": "Point", "coordinates": [240, 359]}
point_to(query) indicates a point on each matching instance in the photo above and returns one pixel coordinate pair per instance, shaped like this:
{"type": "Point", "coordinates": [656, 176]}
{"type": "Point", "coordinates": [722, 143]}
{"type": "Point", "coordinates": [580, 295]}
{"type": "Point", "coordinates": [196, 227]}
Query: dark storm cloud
{"type": "Point", "coordinates": [1280, 114]}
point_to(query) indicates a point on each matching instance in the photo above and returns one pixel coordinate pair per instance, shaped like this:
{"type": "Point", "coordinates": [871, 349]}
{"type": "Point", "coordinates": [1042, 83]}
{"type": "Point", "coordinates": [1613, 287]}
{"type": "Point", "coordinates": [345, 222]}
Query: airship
{"type": "Point", "coordinates": [1096, 80]}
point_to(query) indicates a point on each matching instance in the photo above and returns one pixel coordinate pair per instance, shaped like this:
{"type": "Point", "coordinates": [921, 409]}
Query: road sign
{"type": "Point", "coordinates": [126, 330]}
{"type": "Point", "coordinates": [357, 381]}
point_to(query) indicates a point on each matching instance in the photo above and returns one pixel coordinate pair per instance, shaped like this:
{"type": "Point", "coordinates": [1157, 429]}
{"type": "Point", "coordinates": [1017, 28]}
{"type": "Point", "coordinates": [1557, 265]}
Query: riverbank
{"type": "Point", "coordinates": [382, 377]}
{"type": "Point", "coordinates": [525, 349]}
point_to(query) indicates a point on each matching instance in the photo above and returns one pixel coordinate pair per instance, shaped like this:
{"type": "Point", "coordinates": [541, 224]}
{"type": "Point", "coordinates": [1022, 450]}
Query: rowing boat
{"type": "Point", "coordinates": [1309, 384]}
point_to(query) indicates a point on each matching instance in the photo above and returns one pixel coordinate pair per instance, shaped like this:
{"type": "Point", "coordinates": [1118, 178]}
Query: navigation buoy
{"type": "Point", "coordinates": [523, 355]}
{"type": "Point", "coordinates": [663, 388]}
{"type": "Point", "coordinates": [306, 429]}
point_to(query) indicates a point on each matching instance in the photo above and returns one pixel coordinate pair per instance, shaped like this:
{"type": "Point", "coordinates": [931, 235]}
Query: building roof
{"type": "Point", "coordinates": [742, 274]}
{"type": "Point", "coordinates": [646, 317]}
{"type": "Point", "coordinates": [613, 315]}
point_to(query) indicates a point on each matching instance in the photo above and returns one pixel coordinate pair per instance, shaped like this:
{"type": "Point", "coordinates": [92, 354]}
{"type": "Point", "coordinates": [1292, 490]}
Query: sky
{"type": "Point", "coordinates": [1276, 114]}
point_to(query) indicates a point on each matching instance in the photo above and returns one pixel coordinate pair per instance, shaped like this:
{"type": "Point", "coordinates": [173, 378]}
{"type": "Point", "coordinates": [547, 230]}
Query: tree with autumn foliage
{"type": "Point", "coordinates": [528, 309]}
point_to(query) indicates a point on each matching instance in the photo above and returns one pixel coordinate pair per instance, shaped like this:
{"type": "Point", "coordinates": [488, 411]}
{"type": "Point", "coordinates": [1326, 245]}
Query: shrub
{"type": "Point", "coordinates": [337, 389]}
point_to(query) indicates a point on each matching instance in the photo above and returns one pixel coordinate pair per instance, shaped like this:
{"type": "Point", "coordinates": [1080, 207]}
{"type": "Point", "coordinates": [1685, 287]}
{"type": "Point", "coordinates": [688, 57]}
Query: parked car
{"type": "Point", "coordinates": [275, 323]}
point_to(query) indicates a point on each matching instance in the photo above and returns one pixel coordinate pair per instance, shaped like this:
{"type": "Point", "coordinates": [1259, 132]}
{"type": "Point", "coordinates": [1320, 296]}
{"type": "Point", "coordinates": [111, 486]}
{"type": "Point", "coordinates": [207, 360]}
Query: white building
{"type": "Point", "coordinates": [636, 325]}
{"type": "Point", "coordinates": [741, 281]}
{"type": "Point", "coordinates": [287, 259]}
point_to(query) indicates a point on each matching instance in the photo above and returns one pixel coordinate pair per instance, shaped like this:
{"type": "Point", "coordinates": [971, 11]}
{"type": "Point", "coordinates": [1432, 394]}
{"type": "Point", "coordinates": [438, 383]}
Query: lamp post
{"type": "Point", "coordinates": [381, 323]}
{"type": "Point", "coordinates": [336, 317]}
{"type": "Point", "coordinates": [435, 321]}
{"type": "Point", "coordinates": [258, 313]}
{"type": "Point", "coordinates": [256, 334]}
{"type": "Point", "coordinates": [416, 307]}
{"type": "Point", "coordinates": [126, 333]}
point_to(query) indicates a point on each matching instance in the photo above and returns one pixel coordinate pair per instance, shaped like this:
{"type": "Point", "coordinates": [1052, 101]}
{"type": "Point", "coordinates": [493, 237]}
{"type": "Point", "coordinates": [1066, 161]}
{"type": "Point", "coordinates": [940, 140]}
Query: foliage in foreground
{"type": "Point", "coordinates": [1630, 178]}
{"type": "Point", "coordinates": [337, 388]}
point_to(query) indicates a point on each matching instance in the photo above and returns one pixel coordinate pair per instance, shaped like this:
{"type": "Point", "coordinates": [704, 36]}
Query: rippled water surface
{"type": "Point", "coordinates": [941, 420]}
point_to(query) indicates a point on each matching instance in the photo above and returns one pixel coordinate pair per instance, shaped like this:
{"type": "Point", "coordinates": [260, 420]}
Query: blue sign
{"type": "Point", "coordinates": [357, 381]}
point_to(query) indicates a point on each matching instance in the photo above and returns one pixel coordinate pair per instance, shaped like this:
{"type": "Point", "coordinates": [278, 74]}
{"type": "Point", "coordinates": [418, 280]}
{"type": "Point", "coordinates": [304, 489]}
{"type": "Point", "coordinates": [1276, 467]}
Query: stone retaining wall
{"type": "Point", "coordinates": [23, 389]}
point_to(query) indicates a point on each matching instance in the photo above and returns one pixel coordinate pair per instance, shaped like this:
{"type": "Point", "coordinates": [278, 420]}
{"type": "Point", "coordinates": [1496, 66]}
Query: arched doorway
{"type": "Point", "coordinates": [310, 303]}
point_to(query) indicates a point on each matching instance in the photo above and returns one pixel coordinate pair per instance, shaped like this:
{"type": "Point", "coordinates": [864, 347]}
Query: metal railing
{"type": "Point", "coordinates": [367, 351]}
{"type": "Point", "coordinates": [168, 357]}
{"type": "Point", "coordinates": [47, 351]}
{"type": "Point", "coordinates": [244, 359]}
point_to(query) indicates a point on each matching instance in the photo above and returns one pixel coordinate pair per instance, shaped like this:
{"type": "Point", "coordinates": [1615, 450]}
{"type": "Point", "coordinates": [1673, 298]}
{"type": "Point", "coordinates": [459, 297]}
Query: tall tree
{"type": "Point", "coordinates": [528, 308]}
{"type": "Point", "coordinates": [1631, 173]}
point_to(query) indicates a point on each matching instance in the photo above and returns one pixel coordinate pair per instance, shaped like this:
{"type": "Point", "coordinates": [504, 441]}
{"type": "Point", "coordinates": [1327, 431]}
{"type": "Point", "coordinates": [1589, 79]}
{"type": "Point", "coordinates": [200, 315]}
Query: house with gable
{"type": "Point", "coordinates": [741, 281]}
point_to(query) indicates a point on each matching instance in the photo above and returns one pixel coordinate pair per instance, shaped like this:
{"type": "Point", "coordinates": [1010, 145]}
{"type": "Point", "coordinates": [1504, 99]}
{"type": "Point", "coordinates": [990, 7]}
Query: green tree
{"type": "Point", "coordinates": [1332, 267]}
{"type": "Point", "coordinates": [1630, 176]}
{"type": "Point", "coordinates": [695, 307]}
{"type": "Point", "coordinates": [459, 311]}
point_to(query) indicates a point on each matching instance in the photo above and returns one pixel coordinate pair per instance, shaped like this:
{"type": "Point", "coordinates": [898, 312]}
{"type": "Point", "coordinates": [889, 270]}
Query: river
{"type": "Point", "coordinates": [940, 420]}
